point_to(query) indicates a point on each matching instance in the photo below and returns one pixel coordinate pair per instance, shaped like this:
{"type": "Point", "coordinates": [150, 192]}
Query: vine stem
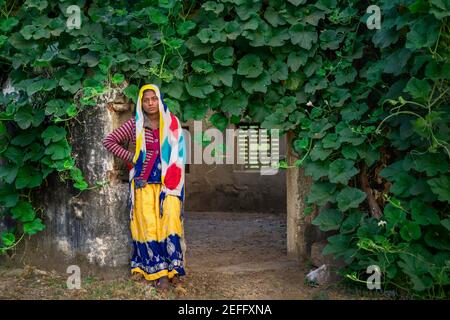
{"type": "Point", "coordinates": [15, 244]}
{"type": "Point", "coordinates": [395, 114]}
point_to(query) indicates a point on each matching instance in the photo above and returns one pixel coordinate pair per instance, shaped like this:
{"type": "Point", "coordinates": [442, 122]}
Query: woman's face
{"type": "Point", "coordinates": [150, 102]}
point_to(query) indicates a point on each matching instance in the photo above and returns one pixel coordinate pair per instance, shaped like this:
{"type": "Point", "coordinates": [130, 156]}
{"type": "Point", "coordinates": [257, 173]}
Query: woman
{"type": "Point", "coordinates": [156, 183]}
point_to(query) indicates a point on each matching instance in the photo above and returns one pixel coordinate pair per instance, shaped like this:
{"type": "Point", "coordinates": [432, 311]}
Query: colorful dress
{"type": "Point", "coordinates": [158, 240]}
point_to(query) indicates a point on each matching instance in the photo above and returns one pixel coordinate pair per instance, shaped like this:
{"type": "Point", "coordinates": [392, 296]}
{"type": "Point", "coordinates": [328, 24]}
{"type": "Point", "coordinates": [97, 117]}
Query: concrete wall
{"type": "Point", "coordinates": [301, 234]}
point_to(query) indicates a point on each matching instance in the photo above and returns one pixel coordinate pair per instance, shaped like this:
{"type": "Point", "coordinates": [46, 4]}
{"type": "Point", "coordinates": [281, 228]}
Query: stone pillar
{"type": "Point", "coordinates": [90, 228]}
{"type": "Point", "coordinates": [298, 225]}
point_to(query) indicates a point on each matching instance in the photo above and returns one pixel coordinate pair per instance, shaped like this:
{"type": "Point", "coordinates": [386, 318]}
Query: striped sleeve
{"type": "Point", "coordinates": [113, 141]}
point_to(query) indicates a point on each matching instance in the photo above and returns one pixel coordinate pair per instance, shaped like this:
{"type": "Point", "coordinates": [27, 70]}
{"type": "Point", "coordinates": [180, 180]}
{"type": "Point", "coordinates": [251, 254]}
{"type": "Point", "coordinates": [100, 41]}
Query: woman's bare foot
{"type": "Point", "coordinates": [163, 283]}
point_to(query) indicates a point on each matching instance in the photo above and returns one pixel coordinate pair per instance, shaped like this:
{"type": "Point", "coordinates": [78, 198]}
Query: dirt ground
{"type": "Point", "coordinates": [229, 256]}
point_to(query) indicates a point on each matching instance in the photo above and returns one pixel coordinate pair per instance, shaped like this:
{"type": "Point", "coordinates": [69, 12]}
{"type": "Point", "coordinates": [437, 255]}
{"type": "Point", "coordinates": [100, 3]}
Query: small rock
{"type": "Point", "coordinates": [40, 272]}
{"type": "Point", "coordinates": [320, 275]}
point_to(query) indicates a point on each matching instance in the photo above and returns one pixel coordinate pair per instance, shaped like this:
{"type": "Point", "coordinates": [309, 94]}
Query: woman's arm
{"type": "Point", "coordinates": [113, 141]}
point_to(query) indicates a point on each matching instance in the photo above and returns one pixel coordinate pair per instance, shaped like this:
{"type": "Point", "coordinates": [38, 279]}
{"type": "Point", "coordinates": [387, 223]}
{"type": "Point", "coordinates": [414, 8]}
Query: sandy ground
{"type": "Point", "coordinates": [229, 256]}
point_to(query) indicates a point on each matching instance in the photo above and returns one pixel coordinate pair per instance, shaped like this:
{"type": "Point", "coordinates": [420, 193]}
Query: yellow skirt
{"type": "Point", "coordinates": [158, 242]}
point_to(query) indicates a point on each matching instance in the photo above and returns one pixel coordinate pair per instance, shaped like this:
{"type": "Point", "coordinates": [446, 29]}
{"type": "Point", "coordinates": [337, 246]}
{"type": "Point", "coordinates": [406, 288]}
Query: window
{"type": "Point", "coordinates": [257, 148]}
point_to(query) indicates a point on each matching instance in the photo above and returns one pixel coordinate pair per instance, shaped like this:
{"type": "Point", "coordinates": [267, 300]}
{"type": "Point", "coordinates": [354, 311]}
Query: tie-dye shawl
{"type": "Point", "coordinates": [172, 151]}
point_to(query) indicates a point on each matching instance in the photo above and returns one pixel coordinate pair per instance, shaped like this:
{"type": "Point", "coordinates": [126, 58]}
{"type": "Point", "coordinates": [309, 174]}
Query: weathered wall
{"type": "Point", "coordinates": [92, 226]}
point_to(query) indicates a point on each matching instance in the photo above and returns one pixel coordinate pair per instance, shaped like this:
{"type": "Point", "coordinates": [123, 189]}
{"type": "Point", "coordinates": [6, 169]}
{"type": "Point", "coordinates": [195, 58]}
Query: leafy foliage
{"type": "Point", "coordinates": [365, 105]}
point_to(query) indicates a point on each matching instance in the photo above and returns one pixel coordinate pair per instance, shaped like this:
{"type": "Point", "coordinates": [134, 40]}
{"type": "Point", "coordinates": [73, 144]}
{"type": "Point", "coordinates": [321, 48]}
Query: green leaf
{"type": "Point", "coordinates": [258, 84]}
{"type": "Point", "coordinates": [424, 33]}
{"type": "Point", "coordinates": [235, 103]}
{"type": "Point", "coordinates": [81, 185]}
{"type": "Point", "coordinates": [157, 17]}
{"type": "Point", "coordinates": [440, 9]}
{"type": "Point", "coordinates": [185, 27]}
{"type": "Point", "coordinates": [213, 7]}
{"type": "Point", "coordinates": [330, 39]}
{"type": "Point", "coordinates": [23, 211]}
{"type": "Point", "coordinates": [197, 47]}
{"type": "Point", "coordinates": [297, 2]}
{"type": "Point", "coordinates": [175, 89]}
{"type": "Point", "coordinates": [396, 61]}
{"type": "Point", "coordinates": [350, 198]}
{"type": "Point", "coordinates": [33, 227]}
{"type": "Point", "coordinates": [232, 29]}
{"type": "Point", "coordinates": [352, 222]}
{"type": "Point", "coordinates": [296, 59]}
{"type": "Point", "coordinates": [8, 172]}
{"type": "Point", "coordinates": [301, 144]}
{"type": "Point", "coordinates": [347, 75]}
{"type": "Point", "coordinates": [321, 193]}
{"type": "Point", "coordinates": [71, 87]}
{"type": "Point", "coordinates": [131, 92]}
{"type": "Point", "coordinates": [195, 111]}
{"type": "Point", "coordinates": [245, 10]}
{"type": "Point", "coordinates": [385, 37]}
{"type": "Point", "coordinates": [250, 66]}
{"type": "Point", "coordinates": [209, 35]}
{"type": "Point", "coordinates": [197, 86]}
{"type": "Point", "coordinates": [24, 139]}
{"type": "Point", "coordinates": [331, 140]}
{"type": "Point", "coordinates": [272, 16]}
{"type": "Point", "coordinates": [225, 75]}
{"type": "Point", "coordinates": [446, 223]}
{"type": "Point", "coordinates": [410, 231]}
{"type": "Point", "coordinates": [118, 78]}
{"type": "Point", "coordinates": [224, 56]}
{"type": "Point", "coordinates": [14, 154]}
{"type": "Point", "coordinates": [28, 177]}
{"type": "Point", "coordinates": [440, 187]}
{"type": "Point", "coordinates": [326, 4]}
{"type": "Point", "coordinates": [349, 152]}
{"type": "Point", "coordinates": [430, 163]}
{"type": "Point", "coordinates": [328, 219]}
{"type": "Point", "coordinates": [53, 134]}
{"type": "Point", "coordinates": [419, 89]}
{"type": "Point", "coordinates": [278, 71]}
{"type": "Point", "coordinates": [423, 214]}
{"type": "Point", "coordinates": [341, 171]}
{"type": "Point", "coordinates": [38, 4]}
{"type": "Point", "coordinates": [90, 59]}
{"type": "Point", "coordinates": [347, 135]}
{"type": "Point", "coordinates": [316, 169]}
{"type": "Point", "coordinates": [58, 150]}
{"type": "Point", "coordinates": [8, 238]}
{"type": "Point", "coordinates": [24, 117]}
{"type": "Point", "coordinates": [438, 237]}
{"type": "Point", "coordinates": [202, 66]}
{"type": "Point", "coordinates": [319, 153]}
{"type": "Point", "coordinates": [7, 24]}
{"type": "Point", "coordinates": [394, 216]}
{"type": "Point", "coordinates": [305, 37]}
{"type": "Point", "coordinates": [9, 197]}
{"type": "Point", "coordinates": [337, 245]}
{"type": "Point", "coordinates": [219, 120]}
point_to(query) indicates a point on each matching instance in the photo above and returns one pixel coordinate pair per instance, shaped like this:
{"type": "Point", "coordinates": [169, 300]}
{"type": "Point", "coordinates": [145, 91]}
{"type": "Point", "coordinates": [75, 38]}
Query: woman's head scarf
{"type": "Point", "coordinates": [172, 150]}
